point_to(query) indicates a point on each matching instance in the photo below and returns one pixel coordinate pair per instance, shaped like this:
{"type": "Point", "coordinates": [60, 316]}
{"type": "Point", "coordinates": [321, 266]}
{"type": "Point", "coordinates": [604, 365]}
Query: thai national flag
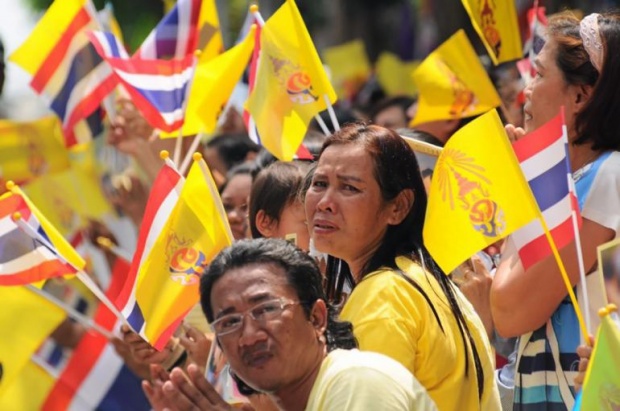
{"type": "Point", "coordinates": [73, 79]}
{"type": "Point", "coordinates": [543, 157]}
{"type": "Point", "coordinates": [23, 259]}
{"type": "Point", "coordinates": [176, 35]}
{"type": "Point", "coordinates": [158, 87]}
{"type": "Point", "coordinates": [96, 376]}
{"type": "Point", "coordinates": [162, 199]}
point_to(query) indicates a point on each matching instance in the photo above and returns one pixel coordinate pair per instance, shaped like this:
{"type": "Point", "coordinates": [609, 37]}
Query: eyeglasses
{"type": "Point", "coordinates": [261, 313]}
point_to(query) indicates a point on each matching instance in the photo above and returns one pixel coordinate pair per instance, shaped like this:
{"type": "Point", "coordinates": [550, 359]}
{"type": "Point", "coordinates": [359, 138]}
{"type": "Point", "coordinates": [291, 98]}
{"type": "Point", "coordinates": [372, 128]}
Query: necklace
{"type": "Point", "coordinates": [581, 171]}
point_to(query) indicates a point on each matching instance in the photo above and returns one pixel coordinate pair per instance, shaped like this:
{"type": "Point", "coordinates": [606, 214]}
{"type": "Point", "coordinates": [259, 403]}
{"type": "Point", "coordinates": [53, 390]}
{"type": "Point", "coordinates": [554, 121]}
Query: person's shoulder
{"type": "Point", "coordinates": [612, 161]}
{"type": "Point", "coordinates": [354, 362]}
{"type": "Point", "coordinates": [369, 372]}
{"type": "Point", "coordinates": [393, 285]}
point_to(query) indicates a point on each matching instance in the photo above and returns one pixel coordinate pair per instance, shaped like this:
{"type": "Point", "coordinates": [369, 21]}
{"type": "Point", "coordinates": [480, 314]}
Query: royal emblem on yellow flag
{"type": "Point", "coordinates": [496, 23]}
{"type": "Point", "coordinates": [291, 84]}
{"type": "Point", "coordinates": [31, 149]}
{"type": "Point", "coordinates": [168, 280]}
{"type": "Point", "coordinates": [478, 194]}
{"type": "Point", "coordinates": [452, 83]}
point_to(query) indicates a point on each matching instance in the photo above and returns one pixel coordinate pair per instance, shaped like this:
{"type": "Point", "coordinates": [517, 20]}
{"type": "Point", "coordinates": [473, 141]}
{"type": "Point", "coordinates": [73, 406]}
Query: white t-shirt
{"type": "Point", "coordinates": [362, 380]}
{"type": "Point", "coordinates": [602, 201]}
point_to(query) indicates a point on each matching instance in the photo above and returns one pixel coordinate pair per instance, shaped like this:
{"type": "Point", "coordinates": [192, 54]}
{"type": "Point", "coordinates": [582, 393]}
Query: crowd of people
{"type": "Point", "coordinates": [328, 298]}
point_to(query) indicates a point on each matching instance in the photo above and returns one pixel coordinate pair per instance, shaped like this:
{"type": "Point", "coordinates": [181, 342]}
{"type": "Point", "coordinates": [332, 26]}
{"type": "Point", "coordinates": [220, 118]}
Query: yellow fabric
{"type": "Point", "coordinates": [210, 36]}
{"type": "Point", "coordinates": [68, 198]}
{"type": "Point", "coordinates": [64, 248]}
{"type": "Point", "coordinates": [391, 317]}
{"type": "Point", "coordinates": [215, 80]}
{"type": "Point", "coordinates": [478, 193]}
{"type": "Point", "coordinates": [349, 66]}
{"type": "Point", "coordinates": [195, 232]}
{"type": "Point", "coordinates": [453, 83]}
{"type": "Point", "coordinates": [290, 83]}
{"type": "Point", "coordinates": [26, 319]}
{"type": "Point", "coordinates": [394, 75]}
{"type": "Point", "coordinates": [30, 149]}
{"type": "Point", "coordinates": [601, 390]}
{"type": "Point", "coordinates": [46, 34]}
{"type": "Point", "coordinates": [210, 44]}
{"type": "Point", "coordinates": [357, 380]}
{"type": "Point", "coordinates": [496, 23]}
{"type": "Point", "coordinates": [28, 391]}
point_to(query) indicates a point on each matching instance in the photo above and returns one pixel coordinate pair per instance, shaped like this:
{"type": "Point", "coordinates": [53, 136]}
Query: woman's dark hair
{"type": "Point", "coordinates": [396, 169]}
{"type": "Point", "coordinates": [599, 121]}
{"type": "Point", "coordinates": [274, 188]}
{"type": "Point", "coordinates": [403, 102]}
{"type": "Point", "coordinates": [239, 169]}
{"type": "Point", "coordinates": [302, 274]}
{"type": "Point", "coordinates": [232, 148]}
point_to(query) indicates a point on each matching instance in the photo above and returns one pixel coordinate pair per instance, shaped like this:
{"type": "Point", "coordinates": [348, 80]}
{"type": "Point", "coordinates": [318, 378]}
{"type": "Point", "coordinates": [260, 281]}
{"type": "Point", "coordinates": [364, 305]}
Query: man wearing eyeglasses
{"type": "Point", "coordinates": [266, 305]}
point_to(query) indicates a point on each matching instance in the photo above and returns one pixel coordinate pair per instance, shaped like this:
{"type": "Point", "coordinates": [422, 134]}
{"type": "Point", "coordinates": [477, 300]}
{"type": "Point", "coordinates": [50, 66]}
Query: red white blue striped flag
{"type": "Point", "coordinates": [158, 88]}
{"type": "Point", "coordinates": [543, 156]}
{"type": "Point", "coordinates": [24, 260]}
{"type": "Point", "coordinates": [176, 35]}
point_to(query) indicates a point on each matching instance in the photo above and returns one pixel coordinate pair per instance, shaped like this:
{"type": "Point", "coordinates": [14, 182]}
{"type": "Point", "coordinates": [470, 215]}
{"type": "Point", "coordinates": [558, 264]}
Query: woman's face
{"type": "Point", "coordinates": [548, 91]}
{"type": "Point", "coordinates": [235, 200]}
{"type": "Point", "coordinates": [347, 216]}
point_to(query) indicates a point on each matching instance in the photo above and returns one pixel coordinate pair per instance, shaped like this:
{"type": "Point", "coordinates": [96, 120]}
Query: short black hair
{"type": "Point", "coordinates": [302, 273]}
{"type": "Point", "coordinates": [233, 148]}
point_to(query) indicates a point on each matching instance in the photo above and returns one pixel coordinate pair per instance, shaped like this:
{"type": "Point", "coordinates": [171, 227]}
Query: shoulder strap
{"type": "Point", "coordinates": [567, 395]}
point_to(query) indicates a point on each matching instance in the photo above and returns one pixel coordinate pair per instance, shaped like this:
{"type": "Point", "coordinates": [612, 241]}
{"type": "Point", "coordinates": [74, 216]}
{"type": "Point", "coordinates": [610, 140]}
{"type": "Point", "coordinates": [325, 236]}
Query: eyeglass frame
{"type": "Point", "coordinates": [284, 304]}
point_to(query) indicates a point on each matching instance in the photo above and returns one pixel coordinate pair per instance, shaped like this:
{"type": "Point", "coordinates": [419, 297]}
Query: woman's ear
{"type": "Point", "coordinates": [583, 93]}
{"type": "Point", "coordinates": [401, 206]}
{"type": "Point", "coordinates": [265, 224]}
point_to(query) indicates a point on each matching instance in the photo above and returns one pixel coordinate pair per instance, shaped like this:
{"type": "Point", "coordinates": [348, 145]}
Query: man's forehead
{"type": "Point", "coordinates": [252, 278]}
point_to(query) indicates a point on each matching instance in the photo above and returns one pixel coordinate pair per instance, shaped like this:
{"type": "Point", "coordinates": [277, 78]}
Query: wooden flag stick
{"type": "Point", "coordinates": [81, 275]}
{"type": "Point", "coordinates": [118, 252]}
{"type": "Point", "coordinates": [567, 283]}
{"type": "Point", "coordinates": [188, 157]}
{"type": "Point", "coordinates": [323, 126]}
{"type": "Point", "coordinates": [72, 312]}
{"type": "Point", "coordinates": [332, 113]}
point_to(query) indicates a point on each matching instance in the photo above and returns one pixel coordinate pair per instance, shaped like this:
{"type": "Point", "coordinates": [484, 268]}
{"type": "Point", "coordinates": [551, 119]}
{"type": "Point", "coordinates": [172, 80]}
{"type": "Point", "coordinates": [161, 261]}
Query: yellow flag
{"type": "Point", "coordinates": [57, 240]}
{"type": "Point", "coordinates": [68, 198]}
{"type": "Point", "coordinates": [216, 78]}
{"type": "Point", "coordinates": [478, 193]}
{"type": "Point", "coordinates": [26, 319]}
{"type": "Point", "coordinates": [601, 389]}
{"type": "Point", "coordinates": [290, 83]}
{"type": "Point", "coordinates": [210, 45]}
{"type": "Point", "coordinates": [210, 35]}
{"type": "Point", "coordinates": [31, 149]}
{"type": "Point", "coordinates": [195, 232]}
{"type": "Point", "coordinates": [349, 66]}
{"type": "Point", "coordinates": [29, 390]}
{"type": "Point", "coordinates": [452, 83]}
{"type": "Point", "coordinates": [46, 34]}
{"type": "Point", "coordinates": [394, 75]}
{"type": "Point", "coordinates": [496, 23]}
